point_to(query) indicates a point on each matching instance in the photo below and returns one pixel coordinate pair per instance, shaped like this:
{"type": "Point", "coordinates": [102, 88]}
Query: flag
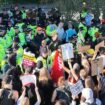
{"type": "Point", "coordinates": [57, 70]}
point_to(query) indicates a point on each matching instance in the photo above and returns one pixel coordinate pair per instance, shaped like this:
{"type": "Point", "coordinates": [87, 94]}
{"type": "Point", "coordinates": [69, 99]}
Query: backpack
{"type": "Point", "coordinates": [6, 97]}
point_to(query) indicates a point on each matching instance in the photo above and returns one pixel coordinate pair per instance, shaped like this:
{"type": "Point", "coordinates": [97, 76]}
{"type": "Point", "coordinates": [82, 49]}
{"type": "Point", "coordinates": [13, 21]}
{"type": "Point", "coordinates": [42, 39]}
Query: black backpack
{"type": "Point", "coordinates": [6, 97]}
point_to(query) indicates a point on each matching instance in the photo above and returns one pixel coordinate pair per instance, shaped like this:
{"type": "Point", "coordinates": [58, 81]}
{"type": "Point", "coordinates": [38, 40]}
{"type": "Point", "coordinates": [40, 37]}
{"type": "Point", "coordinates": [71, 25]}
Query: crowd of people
{"type": "Point", "coordinates": [32, 70]}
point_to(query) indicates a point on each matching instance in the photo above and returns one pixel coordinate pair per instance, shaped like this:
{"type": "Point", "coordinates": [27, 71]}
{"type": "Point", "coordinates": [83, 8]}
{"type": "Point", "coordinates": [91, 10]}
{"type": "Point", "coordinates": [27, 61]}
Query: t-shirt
{"type": "Point", "coordinates": [69, 33]}
{"type": "Point", "coordinates": [88, 95]}
{"type": "Point", "coordinates": [60, 32]}
{"type": "Point", "coordinates": [102, 56]}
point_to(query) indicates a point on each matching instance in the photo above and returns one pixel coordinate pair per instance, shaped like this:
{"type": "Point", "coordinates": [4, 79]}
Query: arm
{"type": "Point", "coordinates": [72, 71]}
{"type": "Point", "coordinates": [94, 56]}
{"type": "Point", "coordinates": [65, 68]}
{"type": "Point", "coordinates": [22, 96]}
{"type": "Point", "coordinates": [54, 96]}
{"type": "Point", "coordinates": [99, 83]}
{"type": "Point", "coordinates": [38, 95]}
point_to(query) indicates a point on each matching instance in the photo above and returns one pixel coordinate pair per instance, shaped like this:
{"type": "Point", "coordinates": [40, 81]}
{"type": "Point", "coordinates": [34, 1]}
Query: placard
{"type": "Point", "coordinates": [76, 88]}
{"type": "Point", "coordinates": [84, 48]}
{"type": "Point", "coordinates": [97, 66]}
{"type": "Point", "coordinates": [28, 59]}
{"type": "Point", "coordinates": [28, 79]}
{"type": "Point", "coordinates": [101, 44]}
{"type": "Point", "coordinates": [67, 51]}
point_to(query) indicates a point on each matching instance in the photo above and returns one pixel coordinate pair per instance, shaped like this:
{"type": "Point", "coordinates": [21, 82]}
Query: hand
{"type": "Point", "coordinates": [69, 62]}
{"type": "Point", "coordinates": [24, 89]}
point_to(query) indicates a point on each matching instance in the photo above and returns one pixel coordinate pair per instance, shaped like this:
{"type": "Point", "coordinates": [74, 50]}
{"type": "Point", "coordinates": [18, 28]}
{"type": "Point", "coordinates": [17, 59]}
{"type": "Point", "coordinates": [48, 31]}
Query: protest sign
{"type": "Point", "coordinates": [97, 66]}
{"type": "Point", "coordinates": [101, 44]}
{"type": "Point", "coordinates": [84, 48]}
{"type": "Point", "coordinates": [76, 88]}
{"type": "Point", "coordinates": [28, 59]}
{"type": "Point", "coordinates": [67, 51]}
{"type": "Point", "coordinates": [28, 79]}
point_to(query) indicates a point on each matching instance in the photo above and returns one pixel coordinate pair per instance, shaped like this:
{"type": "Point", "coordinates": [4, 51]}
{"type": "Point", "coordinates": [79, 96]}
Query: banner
{"type": "Point", "coordinates": [57, 70]}
{"type": "Point", "coordinates": [97, 66]}
{"type": "Point", "coordinates": [28, 59]}
{"type": "Point", "coordinates": [28, 79]}
{"type": "Point", "coordinates": [67, 51]}
{"type": "Point", "coordinates": [76, 88]}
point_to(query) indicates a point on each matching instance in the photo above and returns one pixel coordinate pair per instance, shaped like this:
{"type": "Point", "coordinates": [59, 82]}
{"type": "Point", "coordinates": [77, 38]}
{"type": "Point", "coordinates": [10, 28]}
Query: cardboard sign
{"type": "Point", "coordinates": [83, 49]}
{"type": "Point", "coordinates": [28, 79]}
{"type": "Point", "coordinates": [101, 44]}
{"type": "Point", "coordinates": [97, 66]}
{"type": "Point", "coordinates": [28, 59]}
{"type": "Point", "coordinates": [76, 88]}
{"type": "Point", "coordinates": [67, 51]}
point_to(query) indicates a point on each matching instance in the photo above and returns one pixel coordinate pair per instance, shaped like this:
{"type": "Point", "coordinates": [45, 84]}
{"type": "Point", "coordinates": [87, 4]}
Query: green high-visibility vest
{"type": "Point", "coordinates": [11, 32]}
{"type": "Point", "coordinates": [22, 38]}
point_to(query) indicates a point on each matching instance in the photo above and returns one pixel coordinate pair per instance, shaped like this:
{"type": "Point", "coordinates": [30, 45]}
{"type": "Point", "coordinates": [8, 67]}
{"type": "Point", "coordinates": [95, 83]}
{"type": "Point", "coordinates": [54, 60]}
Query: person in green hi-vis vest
{"type": "Point", "coordinates": [92, 31]}
{"type": "Point", "coordinates": [84, 29]}
{"type": "Point", "coordinates": [8, 40]}
{"type": "Point", "coordinates": [81, 36]}
{"type": "Point", "coordinates": [50, 28]}
{"type": "Point", "coordinates": [84, 13]}
{"type": "Point", "coordinates": [19, 57]}
{"type": "Point", "coordinates": [11, 32]}
{"type": "Point", "coordinates": [34, 31]}
{"type": "Point", "coordinates": [20, 26]}
{"type": "Point", "coordinates": [22, 38]}
{"type": "Point", "coordinates": [2, 53]}
{"type": "Point", "coordinates": [24, 14]}
{"type": "Point", "coordinates": [3, 42]}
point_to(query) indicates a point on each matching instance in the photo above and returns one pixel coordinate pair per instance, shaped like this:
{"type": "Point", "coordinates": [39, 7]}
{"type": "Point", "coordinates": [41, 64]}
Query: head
{"type": "Point", "coordinates": [61, 24]}
{"type": "Point", "coordinates": [39, 30]}
{"type": "Point", "coordinates": [16, 29]}
{"type": "Point", "coordinates": [102, 50]}
{"type": "Point", "coordinates": [2, 31]}
{"type": "Point", "coordinates": [54, 36]}
{"type": "Point", "coordinates": [70, 24]}
{"type": "Point", "coordinates": [61, 102]}
{"type": "Point", "coordinates": [61, 81]}
{"type": "Point", "coordinates": [16, 8]}
{"type": "Point", "coordinates": [44, 43]}
{"type": "Point", "coordinates": [76, 68]}
{"type": "Point", "coordinates": [83, 74]}
{"type": "Point", "coordinates": [28, 69]}
{"type": "Point", "coordinates": [7, 82]}
{"type": "Point", "coordinates": [12, 59]}
{"type": "Point", "coordinates": [89, 83]}
{"type": "Point", "coordinates": [44, 52]}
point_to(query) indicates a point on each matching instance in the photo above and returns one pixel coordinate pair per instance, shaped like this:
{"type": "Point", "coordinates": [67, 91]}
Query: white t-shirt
{"type": "Point", "coordinates": [87, 93]}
